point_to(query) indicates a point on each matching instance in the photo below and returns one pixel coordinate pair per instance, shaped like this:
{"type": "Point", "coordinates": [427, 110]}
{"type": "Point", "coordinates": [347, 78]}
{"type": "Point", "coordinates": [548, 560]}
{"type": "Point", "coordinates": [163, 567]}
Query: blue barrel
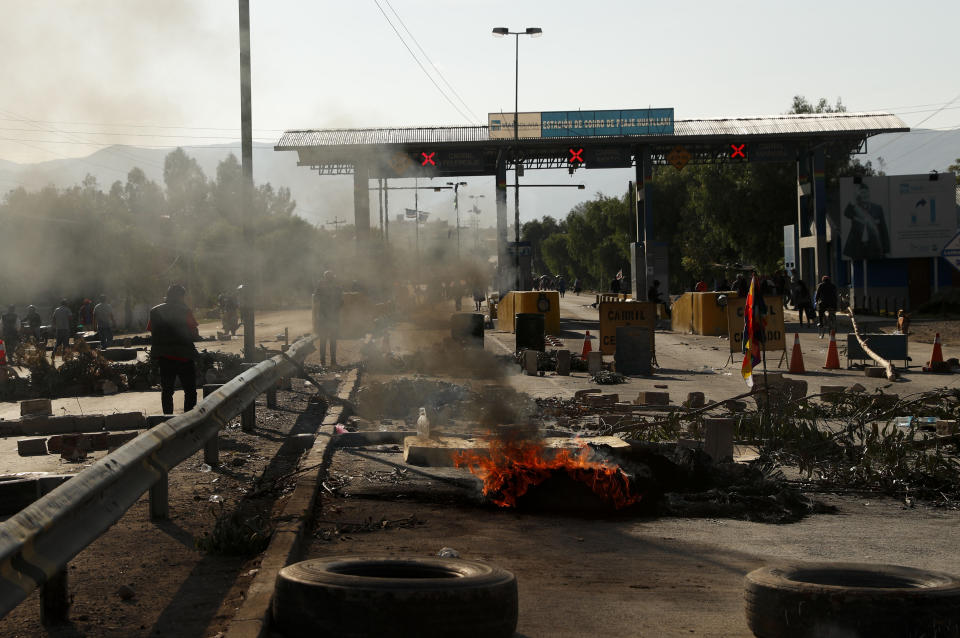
{"type": "Point", "coordinates": [531, 330]}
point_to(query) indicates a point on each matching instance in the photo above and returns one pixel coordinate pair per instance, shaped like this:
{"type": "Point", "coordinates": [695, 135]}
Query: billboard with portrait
{"type": "Point", "coordinates": [896, 216]}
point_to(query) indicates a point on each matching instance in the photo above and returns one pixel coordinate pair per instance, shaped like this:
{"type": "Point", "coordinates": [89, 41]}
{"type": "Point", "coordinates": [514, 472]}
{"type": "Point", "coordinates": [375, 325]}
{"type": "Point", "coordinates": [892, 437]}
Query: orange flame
{"type": "Point", "coordinates": [510, 469]}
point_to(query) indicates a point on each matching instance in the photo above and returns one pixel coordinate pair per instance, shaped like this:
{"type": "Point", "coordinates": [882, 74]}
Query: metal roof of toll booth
{"type": "Point", "coordinates": [335, 151]}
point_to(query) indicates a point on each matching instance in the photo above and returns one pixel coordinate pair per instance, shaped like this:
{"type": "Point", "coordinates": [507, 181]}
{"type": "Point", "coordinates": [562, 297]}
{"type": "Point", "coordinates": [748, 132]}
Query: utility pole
{"type": "Point", "coordinates": [336, 223]}
{"type": "Point", "coordinates": [249, 416]}
{"type": "Point", "coordinates": [386, 211]}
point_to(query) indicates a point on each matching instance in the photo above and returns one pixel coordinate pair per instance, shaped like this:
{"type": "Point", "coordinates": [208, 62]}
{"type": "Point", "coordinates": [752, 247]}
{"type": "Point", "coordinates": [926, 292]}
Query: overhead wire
{"type": "Point", "coordinates": [936, 112]}
{"type": "Point", "coordinates": [420, 64]}
{"type": "Point", "coordinates": [435, 68]}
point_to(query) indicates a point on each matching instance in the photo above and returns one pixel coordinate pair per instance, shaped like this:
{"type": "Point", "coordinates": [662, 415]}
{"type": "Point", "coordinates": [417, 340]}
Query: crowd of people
{"type": "Point", "coordinates": [555, 282]}
{"type": "Point", "coordinates": [96, 317]}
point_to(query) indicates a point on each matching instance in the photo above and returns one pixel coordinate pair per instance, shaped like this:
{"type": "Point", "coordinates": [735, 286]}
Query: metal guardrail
{"type": "Point", "coordinates": [37, 543]}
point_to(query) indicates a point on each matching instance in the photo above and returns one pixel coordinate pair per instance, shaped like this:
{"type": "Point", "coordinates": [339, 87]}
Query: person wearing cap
{"type": "Point", "coordinates": [173, 329]}
{"type": "Point", "coordinates": [327, 301]}
{"type": "Point", "coordinates": [62, 328]}
{"type": "Point", "coordinates": [825, 300]}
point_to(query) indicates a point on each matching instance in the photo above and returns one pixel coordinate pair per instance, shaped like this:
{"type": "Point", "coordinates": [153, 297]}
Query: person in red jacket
{"type": "Point", "coordinates": [173, 329]}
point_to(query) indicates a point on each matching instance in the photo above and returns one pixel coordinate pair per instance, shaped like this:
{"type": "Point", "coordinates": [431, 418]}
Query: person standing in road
{"type": "Point", "coordinates": [800, 294]}
{"type": "Point", "coordinates": [173, 329]}
{"type": "Point", "coordinates": [577, 286]}
{"type": "Point", "coordinates": [825, 300]}
{"type": "Point", "coordinates": [742, 285]}
{"type": "Point", "coordinates": [327, 301]}
{"type": "Point", "coordinates": [103, 321]}
{"type": "Point", "coordinates": [33, 324]}
{"type": "Point", "coordinates": [62, 328]}
{"type": "Point", "coordinates": [561, 286]}
{"type": "Point", "coordinates": [11, 330]}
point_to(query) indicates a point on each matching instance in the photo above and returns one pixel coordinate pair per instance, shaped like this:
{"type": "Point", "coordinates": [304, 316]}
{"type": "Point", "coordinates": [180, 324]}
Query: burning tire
{"type": "Point", "coordinates": [384, 597]}
{"type": "Point", "coordinates": [851, 599]}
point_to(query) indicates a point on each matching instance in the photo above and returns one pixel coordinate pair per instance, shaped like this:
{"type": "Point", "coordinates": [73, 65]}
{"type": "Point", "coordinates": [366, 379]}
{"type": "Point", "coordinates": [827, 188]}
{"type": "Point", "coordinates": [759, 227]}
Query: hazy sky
{"type": "Point", "coordinates": [77, 76]}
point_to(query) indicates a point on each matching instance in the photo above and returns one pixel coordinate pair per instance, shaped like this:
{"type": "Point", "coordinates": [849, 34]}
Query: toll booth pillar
{"type": "Point", "coordinates": [820, 211]}
{"type": "Point", "coordinates": [506, 277]}
{"type": "Point", "coordinates": [640, 262]}
{"type": "Point", "coordinates": [361, 201]}
{"type": "Point", "coordinates": [813, 260]}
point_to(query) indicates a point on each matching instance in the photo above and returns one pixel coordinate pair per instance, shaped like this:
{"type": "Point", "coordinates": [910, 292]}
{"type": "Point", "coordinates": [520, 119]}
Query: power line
{"type": "Point", "coordinates": [419, 64]}
{"type": "Point", "coordinates": [945, 105]}
{"type": "Point", "coordinates": [412, 37]}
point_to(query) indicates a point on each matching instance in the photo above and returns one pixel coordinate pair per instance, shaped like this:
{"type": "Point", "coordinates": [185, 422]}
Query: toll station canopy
{"type": "Point", "coordinates": [452, 151]}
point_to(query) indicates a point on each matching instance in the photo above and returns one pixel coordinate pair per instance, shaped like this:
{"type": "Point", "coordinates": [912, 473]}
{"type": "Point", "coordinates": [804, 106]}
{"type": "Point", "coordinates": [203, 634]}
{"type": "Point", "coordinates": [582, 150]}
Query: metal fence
{"type": "Point", "coordinates": [37, 543]}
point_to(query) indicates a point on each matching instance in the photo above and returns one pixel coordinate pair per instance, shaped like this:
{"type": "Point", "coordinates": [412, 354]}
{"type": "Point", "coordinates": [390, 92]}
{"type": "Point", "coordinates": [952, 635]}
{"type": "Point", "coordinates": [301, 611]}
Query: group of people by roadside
{"type": "Point", "coordinates": [97, 317]}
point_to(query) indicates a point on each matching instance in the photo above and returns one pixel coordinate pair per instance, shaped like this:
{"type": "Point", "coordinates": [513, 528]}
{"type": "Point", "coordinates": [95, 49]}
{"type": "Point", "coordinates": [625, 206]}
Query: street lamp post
{"type": "Point", "coordinates": [456, 208]}
{"type": "Point", "coordinates": [534, 32]}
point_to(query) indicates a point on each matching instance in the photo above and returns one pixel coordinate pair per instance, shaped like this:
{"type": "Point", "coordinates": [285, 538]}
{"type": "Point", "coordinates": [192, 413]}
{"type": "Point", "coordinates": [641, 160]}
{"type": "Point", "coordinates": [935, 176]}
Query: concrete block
{"type": "Point", "coordinates": [579, 394]}
{"type": "Point", "coordinates": [594, 362]}
{"type": "Point", "coordinates": [855, 388]}
{"type": "Point", "coordinates": [797, 388]}
{"type": "Point", "coordinates": [36, 407]}
{"type": "Point", "coordinates": [563, 363]}
{"type": "Point", "coordinates": [600, 400]}
{"type": "Point", "coordinates": [876, 372]}
{"type": "Point", "coordinates": [18, 493]}
{"type": "Point", "coordinates": [157, 419]}
{"type": "Point", "coordinates": [695, 400]}
{"type": "Point", "coordinates": [31, 447]}
{"type": "Point", "coordinates": [123, 421]}
{"type": "Point", "coordinates": [530, 362]}
{"type": "Point", "coordinates": [718, 439]}
{"type": "Point", "coordinates": [88, 423]}
{"type": "Point", "coordinates": [653, 398]}
{"type": "Point", "coordinates": [48, 425]}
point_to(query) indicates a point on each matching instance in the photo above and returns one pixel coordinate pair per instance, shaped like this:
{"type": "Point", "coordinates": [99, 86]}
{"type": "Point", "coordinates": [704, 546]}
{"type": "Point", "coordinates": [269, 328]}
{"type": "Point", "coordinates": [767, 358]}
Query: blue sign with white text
{"type": "Point", "coordinates": [587, 123]}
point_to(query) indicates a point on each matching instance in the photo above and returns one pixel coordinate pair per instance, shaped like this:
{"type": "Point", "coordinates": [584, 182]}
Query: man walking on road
{"type": "Point", "coordinates": [103, 322]}
{"type": "Point", "coordinates": [173, 330]}
{"type": "Point", "coordinates": [327, 300]}
{"type": "Point", "coordinates": [62, 328]}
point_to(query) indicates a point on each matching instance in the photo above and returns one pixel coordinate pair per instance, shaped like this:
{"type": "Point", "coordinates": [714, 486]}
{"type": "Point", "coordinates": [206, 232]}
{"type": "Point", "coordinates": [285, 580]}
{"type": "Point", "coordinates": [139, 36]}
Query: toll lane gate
{"type": "Point", "coordinates": [464, 151]}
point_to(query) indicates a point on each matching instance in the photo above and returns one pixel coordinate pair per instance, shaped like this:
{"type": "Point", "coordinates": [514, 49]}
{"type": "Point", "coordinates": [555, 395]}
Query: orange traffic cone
{"type": "Point", "coordinates": [586, 346]}
{"type": "Point", "coordinates": [833, 357]}
{"type": "Point", "coordinates": [3, 353]}
{"type": "Point", "coordinates": [796, 358]}
{"type": "Point", "coordinates": [937, 356]}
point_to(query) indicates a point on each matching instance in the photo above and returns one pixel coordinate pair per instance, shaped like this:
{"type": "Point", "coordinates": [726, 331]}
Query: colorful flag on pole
{"type": "Point", "coordinates": [620, 274]}
{"type": "Point", "coordinates": [754, 330]}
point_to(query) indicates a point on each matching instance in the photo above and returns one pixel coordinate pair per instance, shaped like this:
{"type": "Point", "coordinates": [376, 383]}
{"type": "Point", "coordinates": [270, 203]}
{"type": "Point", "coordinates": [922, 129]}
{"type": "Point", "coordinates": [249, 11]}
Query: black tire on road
{"type": "Point", "coordinates": [851, 600]}
{"type": "Point", "coordinates": [388, 597]}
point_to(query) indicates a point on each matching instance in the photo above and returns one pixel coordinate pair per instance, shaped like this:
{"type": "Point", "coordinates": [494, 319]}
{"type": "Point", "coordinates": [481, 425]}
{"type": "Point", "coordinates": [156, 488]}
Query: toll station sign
{"type": "Point", "coordinates": [554, 124]}
{"type": "Point", "coordinates": [776, 337]}
{"type": "Point", "coordinates": [614, 314]}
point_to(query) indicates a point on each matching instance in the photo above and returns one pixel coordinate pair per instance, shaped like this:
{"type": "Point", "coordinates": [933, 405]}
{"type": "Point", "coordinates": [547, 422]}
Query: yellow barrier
{"type": "Point", "coordinates": [698, 313]}
{"type": "Point", "coordinates": [546, 303]}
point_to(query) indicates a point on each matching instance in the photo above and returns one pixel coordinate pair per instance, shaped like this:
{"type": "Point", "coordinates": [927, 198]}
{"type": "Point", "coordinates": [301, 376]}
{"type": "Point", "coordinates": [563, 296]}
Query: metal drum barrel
{"type": "Point", "coordinates": [531, 330]}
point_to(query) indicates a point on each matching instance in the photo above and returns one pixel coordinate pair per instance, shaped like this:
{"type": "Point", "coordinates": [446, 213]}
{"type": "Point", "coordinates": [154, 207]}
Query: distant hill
{"type": "Point", "coordinates": [113, 163]}
{"type": "Point", "coordinates": [919, 151]}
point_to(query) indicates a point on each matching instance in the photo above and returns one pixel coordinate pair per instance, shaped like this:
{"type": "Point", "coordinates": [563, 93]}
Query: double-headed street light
{"type": "Point", "coordinates": [456, 207]}
{"type": "Point", "coordinates": [534, 32]}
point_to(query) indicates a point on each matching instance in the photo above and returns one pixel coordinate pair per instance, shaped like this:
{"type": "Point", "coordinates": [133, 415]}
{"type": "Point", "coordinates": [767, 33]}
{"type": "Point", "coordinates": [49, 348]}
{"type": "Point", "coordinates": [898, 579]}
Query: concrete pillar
{"type": "Point", "coordinates": [160, 498]}
{"type": "Point", "coordinates": [361, 201]}
{"type": "Point", "coordinates": [819, 192]}
{"type": "Point", "coordinates": [505, 274]}
{"type": "Point", "coordinates": [718, 439]}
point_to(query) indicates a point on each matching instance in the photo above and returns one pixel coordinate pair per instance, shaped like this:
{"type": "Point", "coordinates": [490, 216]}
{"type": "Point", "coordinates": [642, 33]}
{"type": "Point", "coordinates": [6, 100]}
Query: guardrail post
{"type": "Point", "coordinates": [272, 397]}
{"type": "Point", "coordinates": [54, 601]}
{"type": "Point", "coordinates": [248, 418]}
{"type": "Point", "coordinates": [160, 499]}
{"type": "Point", "coordinates": [211, 449]}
